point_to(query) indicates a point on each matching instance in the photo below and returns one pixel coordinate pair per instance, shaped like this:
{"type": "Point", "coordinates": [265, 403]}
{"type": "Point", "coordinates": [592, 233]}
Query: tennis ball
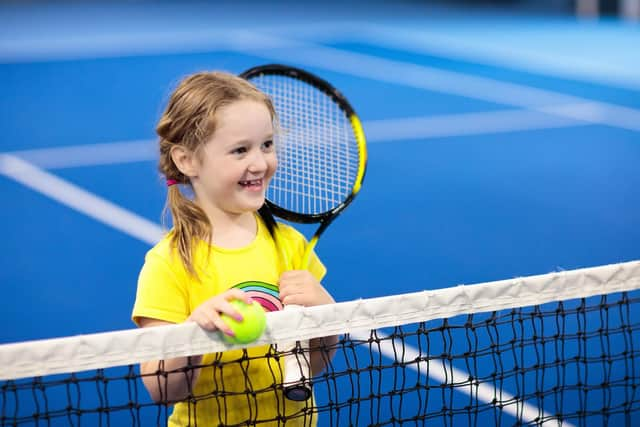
{"type": "Point", "coordinates": [252, 325]}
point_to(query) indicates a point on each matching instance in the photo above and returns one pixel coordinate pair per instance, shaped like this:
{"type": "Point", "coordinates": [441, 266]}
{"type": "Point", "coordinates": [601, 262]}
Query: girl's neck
{"type": "Point", "coordinates": [233, 231]}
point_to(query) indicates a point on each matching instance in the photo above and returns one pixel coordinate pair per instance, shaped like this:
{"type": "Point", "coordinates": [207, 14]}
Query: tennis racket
{"type": "Point", "coordinates": [322, 158]}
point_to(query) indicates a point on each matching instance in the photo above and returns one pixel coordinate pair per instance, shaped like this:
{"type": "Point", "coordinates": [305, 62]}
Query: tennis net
{"type": "Point", "coordinates": [555, 349]}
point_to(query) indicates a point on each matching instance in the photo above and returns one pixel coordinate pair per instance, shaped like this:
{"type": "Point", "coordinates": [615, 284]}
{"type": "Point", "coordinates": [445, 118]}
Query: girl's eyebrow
{"type": "Point", "coordinates": [237, 142]}
{"type": "Point", "coordinates": [248, 141]}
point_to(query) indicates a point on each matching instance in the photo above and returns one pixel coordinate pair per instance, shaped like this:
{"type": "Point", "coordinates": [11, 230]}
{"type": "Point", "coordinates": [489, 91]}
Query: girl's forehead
{"type": "Point", "coordinates": [244, 119]}
{"type": "Point", "coordinates": [243, 107]}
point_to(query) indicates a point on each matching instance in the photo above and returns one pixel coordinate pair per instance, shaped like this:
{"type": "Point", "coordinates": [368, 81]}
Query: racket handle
{"type": "Point", "coordinates": [297, 369]}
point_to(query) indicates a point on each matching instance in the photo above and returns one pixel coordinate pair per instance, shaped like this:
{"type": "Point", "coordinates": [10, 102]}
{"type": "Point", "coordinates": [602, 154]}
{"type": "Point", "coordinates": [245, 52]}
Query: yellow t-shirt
{"type": "Point", "coordinates": [167, 292]}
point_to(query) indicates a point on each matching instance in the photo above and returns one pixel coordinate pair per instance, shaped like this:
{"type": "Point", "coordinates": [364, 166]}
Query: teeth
{"type": "Point", "coordinates": [253, 182]}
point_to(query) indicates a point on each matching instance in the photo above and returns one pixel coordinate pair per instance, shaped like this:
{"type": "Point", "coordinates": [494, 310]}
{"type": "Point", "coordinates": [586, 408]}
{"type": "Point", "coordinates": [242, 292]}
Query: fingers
{"type": "Point", "coordinates": [209, 319]}
{"type": "Point", "coordinates": [208, 314]}
{"type": "Point", "coordinates": [232, 294]}
{"type": "Point", "coordinates": [300, 287]}
{"type": "Point", "coordinates": [296, 275]}
{"type": "Point", "coordinates": [296, 278]}
{"type": "Point", "coordinates": [292, 284]}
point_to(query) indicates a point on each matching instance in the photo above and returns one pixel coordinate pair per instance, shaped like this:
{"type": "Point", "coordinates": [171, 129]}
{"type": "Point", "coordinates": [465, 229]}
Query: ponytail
{"type": "Point", "coordinates": [190, 223]}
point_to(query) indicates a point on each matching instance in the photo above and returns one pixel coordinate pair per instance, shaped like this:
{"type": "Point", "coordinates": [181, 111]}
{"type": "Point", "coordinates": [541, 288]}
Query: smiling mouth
{"type": "Point", "coordinates": [252, 184]}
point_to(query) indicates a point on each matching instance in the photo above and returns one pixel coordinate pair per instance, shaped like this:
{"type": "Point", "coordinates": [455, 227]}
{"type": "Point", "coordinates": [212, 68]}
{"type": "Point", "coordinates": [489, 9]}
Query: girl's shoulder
{"type": "Point", "coordinates": [165, 251]}
{"type": "Point", "coordinates": [163, 248]}
{"type": "Point", "coordinates": [288, 232]}
{"type": "Point", "coordinates": [164, 256]}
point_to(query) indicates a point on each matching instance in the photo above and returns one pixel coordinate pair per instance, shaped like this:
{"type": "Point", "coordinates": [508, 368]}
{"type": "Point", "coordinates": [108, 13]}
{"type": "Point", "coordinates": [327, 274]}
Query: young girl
{"type": "Point", "coordinates": [217, 137]}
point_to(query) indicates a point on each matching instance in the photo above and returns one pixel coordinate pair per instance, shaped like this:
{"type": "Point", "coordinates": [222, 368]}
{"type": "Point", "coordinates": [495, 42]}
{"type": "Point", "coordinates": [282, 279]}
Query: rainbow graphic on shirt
{"type": "Point", "coordinates": [265, 293]}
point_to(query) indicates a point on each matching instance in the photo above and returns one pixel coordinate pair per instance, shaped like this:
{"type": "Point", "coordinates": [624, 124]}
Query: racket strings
{"type": "Point", "coordinates": [318, 155]}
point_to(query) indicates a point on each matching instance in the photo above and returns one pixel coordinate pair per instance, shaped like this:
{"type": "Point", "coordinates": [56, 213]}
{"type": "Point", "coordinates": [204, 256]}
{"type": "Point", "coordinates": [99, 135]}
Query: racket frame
{"type": "Point", "coordinates": [324, 218]}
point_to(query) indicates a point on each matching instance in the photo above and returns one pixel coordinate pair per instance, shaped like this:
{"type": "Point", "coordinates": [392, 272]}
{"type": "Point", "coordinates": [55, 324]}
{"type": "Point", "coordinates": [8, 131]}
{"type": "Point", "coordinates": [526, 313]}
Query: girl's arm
{"type": "Point", "coordinates": [320, 358]}
{"type": "Point", "coordinates": [299, 287]}
{"type": "Point", "coordinates": [167, 387]}
{"type": "Point", "coordinates": [170, 387]}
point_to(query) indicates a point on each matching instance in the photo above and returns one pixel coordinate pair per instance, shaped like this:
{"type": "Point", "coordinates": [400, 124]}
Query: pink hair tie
{"type": "Point", "coordinates": [171, 182]}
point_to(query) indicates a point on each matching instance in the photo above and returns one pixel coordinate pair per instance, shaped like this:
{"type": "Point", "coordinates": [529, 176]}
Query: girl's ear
{"type": "Point", "coordinates": [185, 160]}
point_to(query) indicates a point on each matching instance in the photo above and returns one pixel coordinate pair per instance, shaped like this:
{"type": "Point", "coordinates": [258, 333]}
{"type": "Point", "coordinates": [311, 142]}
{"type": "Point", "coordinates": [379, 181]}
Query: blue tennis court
{"type": "Point", "coordinates": [501, 144]}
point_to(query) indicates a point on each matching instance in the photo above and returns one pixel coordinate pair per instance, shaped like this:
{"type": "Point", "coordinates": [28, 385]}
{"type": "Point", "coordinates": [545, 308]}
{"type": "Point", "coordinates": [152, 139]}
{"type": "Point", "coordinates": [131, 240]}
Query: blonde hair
{"type": "Point", "coordinates": [190, 121]}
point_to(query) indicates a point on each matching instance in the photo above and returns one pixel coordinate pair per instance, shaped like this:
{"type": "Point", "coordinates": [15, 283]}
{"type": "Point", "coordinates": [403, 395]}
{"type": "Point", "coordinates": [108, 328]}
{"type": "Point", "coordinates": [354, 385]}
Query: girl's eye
{"type": "Point", "coordinates": [239, 150]}
{"type": "Point", "coordinates": [267, 145]}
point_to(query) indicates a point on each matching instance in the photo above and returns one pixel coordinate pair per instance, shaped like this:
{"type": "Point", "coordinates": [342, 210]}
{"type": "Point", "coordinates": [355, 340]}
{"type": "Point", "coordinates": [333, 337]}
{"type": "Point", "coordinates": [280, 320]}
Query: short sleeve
{"type": "Point", "coordinates": [295, 244]}
{"type": "Point", "coordinates": [316, 267]}
{"type": "Point", "coordinates": [161, 294]}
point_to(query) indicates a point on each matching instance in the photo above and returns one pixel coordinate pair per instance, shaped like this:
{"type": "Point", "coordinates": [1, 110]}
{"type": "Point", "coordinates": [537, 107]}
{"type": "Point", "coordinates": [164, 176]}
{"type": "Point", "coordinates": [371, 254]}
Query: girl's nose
{"type": "Point", "coordinates": [258, 162]}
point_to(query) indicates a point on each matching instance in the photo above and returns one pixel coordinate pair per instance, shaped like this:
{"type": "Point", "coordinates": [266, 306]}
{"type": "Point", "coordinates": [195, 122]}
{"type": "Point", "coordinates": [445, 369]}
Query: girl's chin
{"type": "Point", "coordinates": [254, 204]}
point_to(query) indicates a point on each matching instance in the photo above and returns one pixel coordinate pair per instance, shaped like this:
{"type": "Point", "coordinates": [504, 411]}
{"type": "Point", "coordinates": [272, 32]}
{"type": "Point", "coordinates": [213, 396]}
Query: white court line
{"type": "Point", "coordinates": [110, 153]}
{"type": "Point", "coordinates": [415, 76]}
{"type": "Point", "coordinates": [80, 200]}
{"type": "Point", "coordinates": [444, 373]}
{"type": "Point", "coordinates": [465, 124]}
{"type": "Point", "coordinates": [135, 226]}
{"type": "Point", "coordinates": [376, 131]}
{"type": "Point", "coordinates": [529, 59]}
{"type": "Point", "coordinates": [131, 44]}
{"type": "Point", "coordinates": [525, 51]}
{"type": "Point", "coordinates": [450, 82]}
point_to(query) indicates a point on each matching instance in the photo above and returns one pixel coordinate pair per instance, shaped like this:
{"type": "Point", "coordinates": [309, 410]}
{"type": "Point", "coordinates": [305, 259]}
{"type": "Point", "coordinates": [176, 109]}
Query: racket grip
{"type": "Point", "coordinates": [296, 380]}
